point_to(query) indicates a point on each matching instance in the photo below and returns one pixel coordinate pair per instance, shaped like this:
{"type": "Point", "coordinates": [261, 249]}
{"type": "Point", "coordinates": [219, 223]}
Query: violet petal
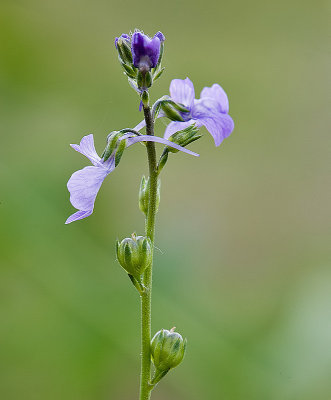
{"type": "Point", "coordinates": [148, 138]}
{"type": "Point", "coordinates": [176, 126]}
{"type": "Point", "coordinates": [182, 91]}
{"type": "Point", "coordinates": [219, 126]}
{"type": "Point", "coordinates": [217, 93]}
{"type": "Point", "coordinates": [86, 147]}
{"type": "Point", "coordinates": [84, 186]}
{"type": "Point", "coordinates": [78, 215]}
{"type": "Point", "coordinates": [145, 49]}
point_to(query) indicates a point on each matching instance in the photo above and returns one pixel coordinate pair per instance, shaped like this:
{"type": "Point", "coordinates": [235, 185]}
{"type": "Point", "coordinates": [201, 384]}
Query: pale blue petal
{"type": "Point", "coordinates": [141, 125]}
{"type": "Point", "coordinates": [217, 93]}
{"type": "Point", "coordinates": [182, 91]}
{"type": "Point", "coordinates": [84, 186]}
{"type": "Point", "coordinates": [219, 126]}
{"type": "Point", "coordinates": [86, 147]}
{"type": "Point", "coordinates": [148, 138]}
{"type": "Point", "coordinates": [206, 107]}
{"type": "Point", "coordinates": [78, 215]}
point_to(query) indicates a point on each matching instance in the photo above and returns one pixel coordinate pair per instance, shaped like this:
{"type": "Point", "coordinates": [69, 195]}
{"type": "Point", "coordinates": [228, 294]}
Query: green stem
{"type": "Point", "coordinates": [146, 298]}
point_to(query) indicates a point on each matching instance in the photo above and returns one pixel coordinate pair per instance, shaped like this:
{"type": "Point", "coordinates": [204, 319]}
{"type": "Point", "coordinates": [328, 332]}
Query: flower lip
{"type": "Point", "coordinates": [211, 110]}
{"type": "Point", "coordinates": [85, 183]}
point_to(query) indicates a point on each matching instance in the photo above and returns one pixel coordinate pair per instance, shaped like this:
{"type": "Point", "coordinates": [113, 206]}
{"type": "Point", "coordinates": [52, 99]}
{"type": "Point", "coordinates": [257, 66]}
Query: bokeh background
{"type": "Point", "coordinates": [243, 266]}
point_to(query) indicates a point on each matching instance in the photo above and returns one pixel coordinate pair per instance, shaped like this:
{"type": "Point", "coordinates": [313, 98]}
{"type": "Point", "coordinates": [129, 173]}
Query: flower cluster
{"type": "Point", "coordinates": [140, 57]}
{"type": "Point", "coordinates": [140, 54]}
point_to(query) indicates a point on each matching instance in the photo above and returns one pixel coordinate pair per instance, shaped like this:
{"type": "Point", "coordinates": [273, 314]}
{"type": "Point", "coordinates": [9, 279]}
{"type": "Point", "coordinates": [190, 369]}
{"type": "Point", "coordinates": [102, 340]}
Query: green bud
{"type": "Point", "coordinates": [134, 254]}
{"type": "Point", "coordinates": [124, 51]}
{"type": "Point", "coordinates": [167, 351]}
{"type": "Point", "coordinates": [144, 195]}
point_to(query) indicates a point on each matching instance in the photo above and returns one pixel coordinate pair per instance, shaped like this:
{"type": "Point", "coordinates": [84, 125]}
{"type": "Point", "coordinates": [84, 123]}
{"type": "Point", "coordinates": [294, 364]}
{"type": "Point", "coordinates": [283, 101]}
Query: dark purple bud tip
{"type": "Point", "coordinates": [123, 36]}
{"type": "Point", "coordinates": [160, 36]}
{"type": "Point", "coordinates": [146, 51]}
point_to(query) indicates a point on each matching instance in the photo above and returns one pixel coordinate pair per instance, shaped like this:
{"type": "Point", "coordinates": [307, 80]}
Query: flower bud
{"type": "Point", "coordinates": [134, 254]}
{"type": "Point", "coordinates": [167, 351]}
{"type": "Point", "coordinates": [144, 195]}
{"type": "Point", "coordinates": [123, 46]}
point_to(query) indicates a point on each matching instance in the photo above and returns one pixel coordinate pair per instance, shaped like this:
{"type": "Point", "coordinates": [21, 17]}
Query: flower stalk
{"type": "Point", "coordinates": [146, 298]}
{"type": "Point", "coordinates": [140, 57]}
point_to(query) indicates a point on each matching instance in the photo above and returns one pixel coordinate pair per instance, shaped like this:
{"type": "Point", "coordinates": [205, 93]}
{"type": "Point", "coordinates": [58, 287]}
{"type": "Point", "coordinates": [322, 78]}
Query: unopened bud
{"type": "Point", "coordinates": [123, 46]}
{"type": "Point", "coordinates": [167, 351]}
{"type": "Point", "coordinates": [134, 254]}
{"type": "Point", "coordinates": [144, 195]}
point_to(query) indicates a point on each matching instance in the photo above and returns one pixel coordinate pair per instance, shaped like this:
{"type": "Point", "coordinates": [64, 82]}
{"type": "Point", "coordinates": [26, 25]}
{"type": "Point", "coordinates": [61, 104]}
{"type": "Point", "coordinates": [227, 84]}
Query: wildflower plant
{"type": "Point", "coordinates": [141, 57]}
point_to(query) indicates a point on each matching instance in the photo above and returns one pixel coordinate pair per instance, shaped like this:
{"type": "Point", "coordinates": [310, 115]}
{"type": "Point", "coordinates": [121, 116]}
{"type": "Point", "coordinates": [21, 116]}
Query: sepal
{"type": "Point", "coordinates": [163, 159]}
{"type": "Point", "coordinates": [144, 79]}
{"type": "Point", "coordinates": [184, 137]}
{"type": "Point", "coordinates": [172, 110]}
{"type": "Point", "coordinates": [145, 98]}
{"type": "Point", "coordinates": [157, 73]}
{"type": "Point", "coordinates": [119, 152]}
{"type": "Point", "coordinates": [112, 140]}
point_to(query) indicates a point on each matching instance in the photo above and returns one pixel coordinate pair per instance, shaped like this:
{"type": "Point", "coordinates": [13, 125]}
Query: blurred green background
{"type": "Point", "coordinates": [244, 231]}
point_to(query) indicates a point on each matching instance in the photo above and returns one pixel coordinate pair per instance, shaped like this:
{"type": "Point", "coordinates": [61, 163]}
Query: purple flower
{"type": "Point", "coordinates": [211, 110]}
{"type": "Point", "coordinates": [146, 51]}
{"type": "Point", "coordinates": [85, 183]}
